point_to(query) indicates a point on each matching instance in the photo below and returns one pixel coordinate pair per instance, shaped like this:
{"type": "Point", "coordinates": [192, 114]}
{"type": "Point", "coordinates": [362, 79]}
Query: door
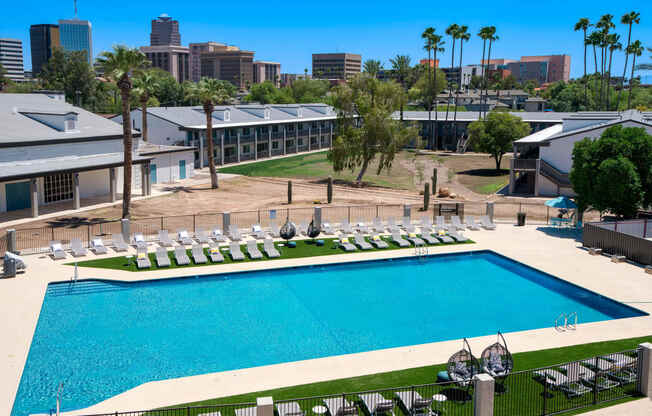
{"type": "Point", "coordinates": [152, 173]}
{"type": "Point", "coordinates": [18, 196]}
{"type": "Point", "coordinates": [182, 169]}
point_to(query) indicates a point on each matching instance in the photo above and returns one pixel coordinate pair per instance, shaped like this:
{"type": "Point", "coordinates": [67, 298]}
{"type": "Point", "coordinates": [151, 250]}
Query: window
{"type": "Point", "coordinates": [275, 128]}
{"type": "Point", "coordinates": [300, 142]}
{"type": "Point", "coordinates": [262, 147]}
{"type": "Point", "coordinates": [246, 148]}
{"type": "Point", "coordinates": [290, 143]}
{"type": "Point", "coordinates": [274, 145]}
{"type": "Point", "coordinates": [245, 131]}
{"type": "Point", "coordinates": [57, 187]}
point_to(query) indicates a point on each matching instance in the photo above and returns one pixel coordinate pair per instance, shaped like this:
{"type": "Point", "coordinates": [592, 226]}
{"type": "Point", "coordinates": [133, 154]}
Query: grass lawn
{"type": "Point", "coordinates": [523, 396]}
{"type": "Point", "coordinates": [304, 248]}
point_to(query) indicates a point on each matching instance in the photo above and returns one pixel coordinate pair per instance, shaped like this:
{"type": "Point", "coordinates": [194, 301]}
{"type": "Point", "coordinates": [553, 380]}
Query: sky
{"type": "Point", "coordinates": [290, 31]}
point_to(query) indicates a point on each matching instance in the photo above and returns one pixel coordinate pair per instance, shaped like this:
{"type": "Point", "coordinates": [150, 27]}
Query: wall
{"type": "Point", "coordinates": [159, 131]}
{"type": "Point", "coordinates": [135, 180]}
{"type": "Point", "coordinates": [94, 183]}
{"type": "Point", "coordinates": [91, 147]}
{"type": "Point", "coordinates": [167, 165]}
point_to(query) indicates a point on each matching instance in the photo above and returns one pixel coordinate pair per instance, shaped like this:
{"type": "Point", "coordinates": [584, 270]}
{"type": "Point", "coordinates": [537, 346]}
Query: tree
{"type": "Point", "coordinates": [263, 93]}
{"type": "Point", "coordinates": [452, 32]}
{"type": "Point", "coordinates": [4, 81]}
{"type": "Point", "coordinates": [496, 134]}
{"type": "Point", "coordinates": [365, 128]}
{"type": "Point", "coordinates": [119, 66]}
{"type": "Point", "coordinates": [145, 85]}
{"type": "Point", "coordinates": [492, 37]}
{"type": "Point", "coordinates": [463, 35]}
{"type": "Point", "coordinates": [437, 47]}
{"type": "Point", "coordinates": [428, 40]}
{"type": "Point", "coordinates": [401, 66]}
{"type": "Point", "coordinates": [614, 45]}
{"type": "Point", "coordinates": [372, 67]}
{"type": "Point", "coordinates": [613, 173]}
{"type": "Point", "coordinates": [583, 24]}
{"type": "Point", "coordinates": [635, 49]}
{"type": "Point", "coordinates": [71, 73]}
{"type": "Point", "coordinates": [605, 24]}
{"type": "Point", "coordinates": [628, 19]}
{"type": "Point", "coordinates": [210, 92]}
{"type": "Point", "coordinates": [594, 40]}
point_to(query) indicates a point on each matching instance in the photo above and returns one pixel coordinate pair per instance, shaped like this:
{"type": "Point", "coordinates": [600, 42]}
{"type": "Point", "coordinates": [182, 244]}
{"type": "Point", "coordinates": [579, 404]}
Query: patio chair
{"type": "Point", "coordinates": [257, 231]}
{"type": "Point", "coordinates": [486, 223]}
{"type": "Point", "coordinates": [214, 253]}
{"type": "Point", "coordinates": [345, 227]}
{"type": "Point", "coordinates": [234, 233]}
{"type": "Point", "coordinates": [275, 230]}
{"type": "Point", "coordinates": [198, 255]}
{"type": "Point", "coordinates": [601, 382]}
{"type": "Point", "coordinates": [359, 241]}
{"type": "Point", "coordinates": [119, 243]}
{"type": "Point", "coordinates": [302, 228]}
{"type": "Point", "coordinates": [362, 227]}
{"type": "Point", "coordinates": [391, 225]}
{"type": "Point", "coordinates": [164, 238]}
{"type": "Point", "coordinates": [57, 250]}
{"type": "Point", "coordinates": [406, 222]}
{"type": "Point", "coordinates": [426, 224]}
{"type": "Point", "coordinates": [327, 228]}
{"type": "Point", "coordinates": [396, 237]}
{"type": "Point", "coordinates": [270, 250]}
{"type": "Point", "coordinates": [235, 252]}
{"type": "Point", "coordinates": [621, 374]}
{"type": "Point", "coordinates": [346, 245]}
{"type": "Point", "coordinates": [183, 237]}
{"type": "Point", "coordinates": [455, 223]}
{"type": "Point", "coordinates": [441, 223]}
{"type": "Point", "coordinates": [181, 256]}
{"type": "Point", "coordinates": [412, 237]}
{"type": "Point", "coordinates": [98, 247]}
{"type": "Point", "coordinates": [289, 409]}
{"type": "Point", "coordinates": [139, 241]}
{"type": "Point", "coordinates": [218, 235]}
{"type": "Point", "coordinates": [570, 385]}
{"type": "Point", "coordinates": [413, 403]}
{"type": "Point", "coordinates": [142, 259]}
{"type": "Point", "coordinates": [252, 249]}
{"type": "Point", "coordinates": [246, 411]}
{"type": "Point", "coordinates": [470, 223]}
{"type": "Point", "coordinates": [442, 235]}
{"type": "Point", "coordinates": [378, 225]}
{"type": "Point", "coordinates": [162, 258]}
{"type": "Point", "coordinates": [77, 248]}
{"type": "Point", "coordinates": [378, 242]}
{"type": "Point", "coordinates": [202, 237]}
{"type": "Point", "coordinates": [428, 238]}
{"type": "Point", "coordinates": [457, 236]}
{"type": "Point", "coordinates": [339, 406]}
{"type": "Point", "coordinates": [377, 404]}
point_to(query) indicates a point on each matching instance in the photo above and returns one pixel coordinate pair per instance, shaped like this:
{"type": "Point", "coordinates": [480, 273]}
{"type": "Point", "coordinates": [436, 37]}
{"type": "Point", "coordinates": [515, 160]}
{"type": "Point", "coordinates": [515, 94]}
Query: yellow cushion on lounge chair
{"type": "Point", "coordinates": [214, 250]}
{"type": "Point", "coordinates": [141, 255]}
{"type": "Point", "coordinates": [412, 235]}
{"type": "Point", "coordinates": [344, 240]}
{"type": "Point", "coordinates": [442, 232]}
{"type": "Point", "coordinates": [376, 238]}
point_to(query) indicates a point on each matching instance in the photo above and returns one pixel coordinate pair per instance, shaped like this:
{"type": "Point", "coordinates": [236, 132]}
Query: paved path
{"type": "Point", "coordinates": [641, 407]}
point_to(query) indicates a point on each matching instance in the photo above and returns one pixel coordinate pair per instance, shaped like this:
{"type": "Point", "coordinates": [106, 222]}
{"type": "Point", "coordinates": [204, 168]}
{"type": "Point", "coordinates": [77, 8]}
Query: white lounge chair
{"type": "Point", "coordinates": [340, 406]}
{"type": "Point", "coordinates": [362, 227]}
{"type": "Point", "coordinates": [142, 259]}
{"type": "Point", "coordinates": [181, 256]}
{"type": "Point", "coordinates": [346, 244]}
{"type": "Point", "coordinates": [218, 235]}
{"type": "Point", "coordinates": [246, 411]}
{"type": "Point", "coordinates": [601, 382]}
{"type": "Point", "coordinates": [257, 231]}
{"type": "Point", "coordinates": [77, 248]}
{"type": "Point", "coordinates": [378, 225]}
{"type": "Point", "coordinates": [164, 238]}
{"type": "Point", "coordinates": [234, 250]}
{"type": "Point", "coordinates": [98, 247]}
{"type": "Point", "coordinates": [20, 262]}
{"type": "Point", "coordinates": [455, 222]}
{"type": "Point", "coordinates": [441, 223]}
{"type": "Point", "coordinates": [275, 230]}
{"type": "Point", "coordinates": [428, 238]}
{"type": "Point", "coordinates": [198, 255]}
{"type": "Point", "coordinates": [413, 402]}
{"type": "Point", "coordinates": [214, 253]}
{"type": "Point", "coordinates": [327, 228]}
{"type": "Point", "coordinates": [486, 223]}
{"type": "Point", "coordinates": [289, 409]}
{"type": "Point", "coordinates": [571, 385]}
{"type": "Point", "coordinates": [119, 243]}
{"type": "Point", "coordinates": [391, 225]}
{"type": "Point", "coordinates": [202, 237]}
{"type": "Point", "coordinates": [359, 241]}
{"type": "Point", "coordinates": [457, 236]}
{"type": "Point", "coordinates": [442, 235]}
{"type": "Point", "coordinates": [345, 227]}
{"type": "Point", "coordinates": [252, 249]}
{"type": "Point", "coordinates": [270, 250]}
{"type": "Point", "coordinates": [234, 233]}
{"type": "Point", "coordinates": [470, 223]}
{"type": "Point", "coordinates": [406, 222]}
{"type": "Point", "coordinates": [139, 241]}
{"type": "Point", "coordinates": [302, 228]}
{"type": "Point", "coordinates": [412, 237]}
{"type": "Point", "coordinates": [396, 237]}
{"type": "Point", "coordinates": [377, 404]}
{"type": "Point", "coordinates": [162, 258]}
{"type": "Point", "coordinates": [183, 237]}
{"type": "Point", "coordinates": [378, 242]}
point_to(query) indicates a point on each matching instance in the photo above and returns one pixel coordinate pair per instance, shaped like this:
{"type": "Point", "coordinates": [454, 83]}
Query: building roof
{"type": "Point", "coordinates": [19, 129]}
{"type": "Point", "coordinates": [541, 135]}
{"type": "Point", "coordinates": [465, 116]}
{"type": "Point", "coordinates": [604, 120]}
{"type": "Point", "coordinates": [150, 149]}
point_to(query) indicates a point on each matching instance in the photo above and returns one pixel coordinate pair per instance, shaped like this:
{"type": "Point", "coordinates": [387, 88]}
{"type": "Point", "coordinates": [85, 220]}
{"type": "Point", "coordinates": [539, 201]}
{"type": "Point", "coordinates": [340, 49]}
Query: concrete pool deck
{"type": "Point", "coordinates": [544, 249]}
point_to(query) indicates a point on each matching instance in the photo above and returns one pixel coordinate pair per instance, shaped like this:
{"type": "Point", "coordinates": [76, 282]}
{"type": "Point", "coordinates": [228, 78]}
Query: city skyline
{"type": "Point", "coordinates": [289, 37]}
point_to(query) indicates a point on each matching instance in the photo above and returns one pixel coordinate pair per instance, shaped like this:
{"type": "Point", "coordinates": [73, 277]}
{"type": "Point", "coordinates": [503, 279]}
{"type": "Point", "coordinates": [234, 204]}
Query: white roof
{"type": "Point", "coordinates": [541, 135]}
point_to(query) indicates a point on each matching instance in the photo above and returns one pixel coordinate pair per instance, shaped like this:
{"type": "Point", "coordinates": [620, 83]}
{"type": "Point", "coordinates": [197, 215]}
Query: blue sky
{"type": "Point", "coordinates": [290, 31]}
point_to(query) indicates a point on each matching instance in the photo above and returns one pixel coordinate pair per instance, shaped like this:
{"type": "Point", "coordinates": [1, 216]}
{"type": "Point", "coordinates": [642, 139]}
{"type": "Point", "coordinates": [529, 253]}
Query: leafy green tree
{"type": "Point", "coordinates": [308, 90]}
{"type": "Point", "coordinates": [4, 81]}
{"type": "Point", "coordinates": [401, 67]}
{"type": "Point", "coordinates": [263, 93]}
{"type": "Point", "coordinates": [614, 172]}
{"type": "Point", "coordinates": [210, 92]}
{"type": "Point", "coordinates": [628, 19]}
{"type": "Point", "coordinates": [372, 67]}
{"type": "Point", "coordinates": [635, 49]}
{"type": "Point", "coordinates": [71, 73]}
{"type": "Point", "coordinates": [120, 66]}
{"type": "Point", "coordinates": [496, 134]}
{"type": "Point", "coordinates": [426, 91]}
{"type": "Point", "coordinates": [145, 85]}
{"type": "Point", "coordinates": [365, 128]}
{"type": "Point", "coordinates": [583, 24]}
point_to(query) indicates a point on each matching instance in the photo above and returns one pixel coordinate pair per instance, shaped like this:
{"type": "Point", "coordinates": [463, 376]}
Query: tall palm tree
{"type": "Point", "coordinates": [452, 32]}
{"type": "Point", "coordinates": [209, 92]}
{"type": "Point", "coordinates": [583, 24]}
{"type": "Point", "coordinates": [437, 46]}
{"type": "Point", "coordinates": [604, 24]}
{"type": "Point", "coordinates": [120, 66]}
{"type": "Point", "coordinates": [145, 85]}
{"type": "Point", "coordinates": [463, 35]}
{"type": "Point", "coordinates": [614, 45]}
{"type": "Point", "coordinates": [594, 40]}
{"type": "Point", "coordinates": [629, 19]}
{"type": "Point", "coordinates": [372, 67]}
{"type": "Point", "coordinates": [427, 45]}
{"type": "Point", "coordinates": [484, 35]}
{"type": "Point", "coordinates": [401, 67]}
{"type": "Point", "coordinates": [635, 49]}
{"type": "Point", "coordinates": [492, 37]}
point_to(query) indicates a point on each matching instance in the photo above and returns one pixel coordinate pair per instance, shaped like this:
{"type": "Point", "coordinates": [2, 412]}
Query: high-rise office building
{"type": "Point", "coordinates": [165, 31]}
{"type": "Point", "coordinates": [558, 66]}
{"type": "Point", "coordinates": [267, 71]}
{"type": "Point", "coordinates": [196, 50]}
{"type": "Point", "coordinates": [335, 66]}
{"type": "Point", "coordinates": [76, 35]}
{"type": "Point", "coordinates": [44, 38]}
{"type": "Point", "coordinates": [231, 64]}
{"type": "Point", "coordinates": [11, 58]}
{"type": "Point", "coordinates": [174, 59]}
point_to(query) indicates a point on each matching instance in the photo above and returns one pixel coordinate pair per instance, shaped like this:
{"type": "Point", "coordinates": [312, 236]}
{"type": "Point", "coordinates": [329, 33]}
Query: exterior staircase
{"type": "Point", "coordinates": [553, 174]}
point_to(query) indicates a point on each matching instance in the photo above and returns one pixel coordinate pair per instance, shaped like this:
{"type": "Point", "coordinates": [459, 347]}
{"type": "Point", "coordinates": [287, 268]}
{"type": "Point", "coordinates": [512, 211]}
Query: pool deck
{"type": "Point", "coordinates": [21, 299]}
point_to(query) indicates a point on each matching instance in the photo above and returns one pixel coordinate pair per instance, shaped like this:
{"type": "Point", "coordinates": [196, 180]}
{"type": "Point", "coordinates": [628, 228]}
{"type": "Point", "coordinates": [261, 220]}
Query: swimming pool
{"type": "Point", "coordinates": [102, 338]}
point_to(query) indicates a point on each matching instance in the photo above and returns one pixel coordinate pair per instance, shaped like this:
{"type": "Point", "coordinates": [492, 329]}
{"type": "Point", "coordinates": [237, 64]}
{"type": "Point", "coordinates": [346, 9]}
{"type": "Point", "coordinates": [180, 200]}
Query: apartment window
{"type": "Point", "coordinates": [290, 143]}
{"type": "Point", "coordinates": [274, 145]}
{"type": "Point", "coordinates": [246, 149]}
{"type": "Point", "coordinates": [57, 187]}
{"type": "Point", "coordinates": [245, 131]}
{"type": "Point", "coordinates": [275, 128]}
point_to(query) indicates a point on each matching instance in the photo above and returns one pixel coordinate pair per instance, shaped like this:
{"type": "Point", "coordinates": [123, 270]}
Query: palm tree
{"type": "Point", "coordinates": [145, 85]}
{"type": "Point", "coordinates": [583, 24]}
{"type": "Point", "coordinates": [491, 35]}
{"type": "Point", "coordinates": [437, 46]}
{"type": "Point", "coordinates": [629, 19]}
{"type": "Point", "coordinates": [463, 35]}
{"type": "Point", "coordinates": [119, 66]}
{"type": "Point", "coordinates": [484, 35]}
{"type": "Point", "coordinates": [635, 49]}
{"type": "Point", "coordinates": [605, 24]}
{"type": "Point", "coordinates": [452, 32]}
{"type": "Point", "coordinates": [614, 45]}
{"type": "Point", "coordinates": [594, 39]}
{"type": "Point", "coordinates": [427, 37]}
{"type": "Point", "coordinates": [401, 66]}
{"type": "Point", "coordinates": [372, 67]}
{"type": "Point", "coordinates": [208, 92]}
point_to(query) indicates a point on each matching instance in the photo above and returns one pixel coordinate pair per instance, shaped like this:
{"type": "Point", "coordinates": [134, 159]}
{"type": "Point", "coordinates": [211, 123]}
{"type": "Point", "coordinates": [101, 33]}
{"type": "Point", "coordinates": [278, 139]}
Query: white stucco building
{"type": "Point", "coordinates": [543, 160]}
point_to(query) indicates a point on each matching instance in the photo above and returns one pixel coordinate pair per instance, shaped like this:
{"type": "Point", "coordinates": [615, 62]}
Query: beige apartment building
{"type": "Point", "coordinates": [196, 49]}
{"type": "Point", "coordinates": [229, 64]}
{"type": "Point", "coordinates": [267, 71]}
{"type": "Point", "coordinates": [171, 58]}
{"type": "Point", "coordinates": [336, 66]}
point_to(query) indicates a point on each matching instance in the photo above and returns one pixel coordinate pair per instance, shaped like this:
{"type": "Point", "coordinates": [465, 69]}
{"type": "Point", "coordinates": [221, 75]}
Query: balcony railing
{"type": "Point", "coordinates": [524, 164]}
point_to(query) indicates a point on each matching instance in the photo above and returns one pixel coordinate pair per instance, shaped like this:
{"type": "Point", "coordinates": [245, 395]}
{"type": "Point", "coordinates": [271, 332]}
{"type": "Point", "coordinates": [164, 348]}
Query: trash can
{"type": "Point", "coordinates": [520, 219]}
{"type": "Point", "coordinates": [9, 267]}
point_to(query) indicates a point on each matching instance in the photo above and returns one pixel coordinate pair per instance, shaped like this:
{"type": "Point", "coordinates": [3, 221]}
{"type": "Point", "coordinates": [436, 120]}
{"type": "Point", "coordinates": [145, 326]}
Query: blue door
{"type": "Point", "coordinates": [18, 196]}
{"type": "Point", "coordinates": [152, 173]}
{"type": "Point", "coordinates": [182, 169]}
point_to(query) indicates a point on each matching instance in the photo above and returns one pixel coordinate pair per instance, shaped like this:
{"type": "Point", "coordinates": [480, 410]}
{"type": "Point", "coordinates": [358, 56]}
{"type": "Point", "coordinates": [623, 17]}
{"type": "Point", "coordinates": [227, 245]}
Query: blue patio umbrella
{"type": "Point", "coordinates": [561, 202]}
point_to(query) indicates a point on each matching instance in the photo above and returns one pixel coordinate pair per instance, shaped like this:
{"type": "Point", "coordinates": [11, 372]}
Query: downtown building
{"type": "Point", "coordinates": [165, 50]}
{"type": "Point", "coordinates": [44, 39]}
{"type": "Point", "coordinates": [229, 64]}
{"type": "Point", "coordinates": [336, 66]}
{"type": "Point", "coordinates": [267, 71]}
{"type": "Point", "coordinates": [11, 59]}
{"type": "Point", "coordinates": [76, 35]}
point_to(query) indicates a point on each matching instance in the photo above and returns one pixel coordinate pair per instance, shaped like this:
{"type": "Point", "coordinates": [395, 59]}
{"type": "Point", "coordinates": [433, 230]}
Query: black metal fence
{"type": "Point", "coordinates": [613, 242]}
{"type": "Point", "coordinates": [543, 391]}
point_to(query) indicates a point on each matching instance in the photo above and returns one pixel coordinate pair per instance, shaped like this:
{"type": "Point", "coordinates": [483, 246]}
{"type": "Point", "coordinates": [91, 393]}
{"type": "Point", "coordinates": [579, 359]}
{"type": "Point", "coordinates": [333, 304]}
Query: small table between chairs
{"type": "Point", "coordinates": [319, 410]}
{"type": "Point", "coordinates": [439, 400]}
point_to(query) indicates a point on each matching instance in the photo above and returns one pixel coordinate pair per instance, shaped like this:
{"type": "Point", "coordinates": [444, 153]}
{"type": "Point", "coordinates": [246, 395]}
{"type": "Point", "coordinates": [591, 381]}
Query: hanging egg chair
{"type": "Point", "coordinates": [313, 230]}
{"type": "Point", "coordinates": [462, 366]}
{"type": "Point", "coordinates": [288, 230]}
{"type": "Point", "coordinates": [497, 361]}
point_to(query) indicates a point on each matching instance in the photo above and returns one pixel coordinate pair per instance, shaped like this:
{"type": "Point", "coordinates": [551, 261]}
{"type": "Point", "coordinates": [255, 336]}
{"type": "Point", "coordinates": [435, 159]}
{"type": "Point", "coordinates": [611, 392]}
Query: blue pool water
{"type": "Point", "coordinates": [103, 338]}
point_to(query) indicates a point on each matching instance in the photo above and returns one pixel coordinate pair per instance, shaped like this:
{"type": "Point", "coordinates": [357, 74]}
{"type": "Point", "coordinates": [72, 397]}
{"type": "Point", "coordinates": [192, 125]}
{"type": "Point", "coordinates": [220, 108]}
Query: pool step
{"type": "Point", "coordinates": [82, 287]}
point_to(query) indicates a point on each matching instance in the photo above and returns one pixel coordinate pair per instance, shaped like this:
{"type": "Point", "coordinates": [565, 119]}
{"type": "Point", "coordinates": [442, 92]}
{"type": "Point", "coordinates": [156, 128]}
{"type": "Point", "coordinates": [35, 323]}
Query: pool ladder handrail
{"type": "Point", "coordinates": [421, 251]}
{"type": "Point", "coordinates": [567, 325]}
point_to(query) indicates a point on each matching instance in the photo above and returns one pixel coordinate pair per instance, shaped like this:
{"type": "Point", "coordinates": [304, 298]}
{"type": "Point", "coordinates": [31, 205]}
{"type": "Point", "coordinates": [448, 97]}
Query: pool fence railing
{"type": "Point", "coordinates": [37, 240]}
{"type": "Point", "coordinates": [630, 238]}
{"type": "Point", "coordinates": [555, 389]}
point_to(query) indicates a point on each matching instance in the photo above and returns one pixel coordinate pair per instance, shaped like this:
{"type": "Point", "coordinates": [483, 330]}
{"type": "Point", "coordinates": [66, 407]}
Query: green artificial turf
{"type": "Point", "coordinates": [304, 248]}
{"type": "Point", "coordinates": [523, 395]}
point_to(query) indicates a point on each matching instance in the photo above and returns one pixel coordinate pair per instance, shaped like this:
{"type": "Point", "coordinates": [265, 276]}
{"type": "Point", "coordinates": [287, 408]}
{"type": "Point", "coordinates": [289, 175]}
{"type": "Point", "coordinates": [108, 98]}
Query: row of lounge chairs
{"type": "Point", "coordinates": [411, 239]}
